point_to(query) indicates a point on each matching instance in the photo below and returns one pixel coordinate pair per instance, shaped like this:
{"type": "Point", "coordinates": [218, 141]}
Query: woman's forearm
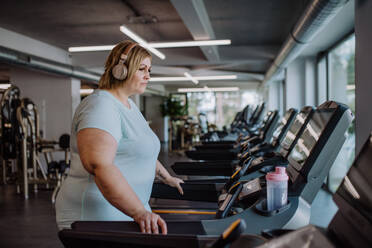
{"type": "Point", "coordinates": [117, 191]}
{"type": "Point", "coordinates": [161, 173]}
{"type": "Point", "coordinates": [166, 178]}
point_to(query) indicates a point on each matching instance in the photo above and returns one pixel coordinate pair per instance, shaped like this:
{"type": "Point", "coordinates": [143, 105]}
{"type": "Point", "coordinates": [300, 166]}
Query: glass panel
{"type": "Point", "coordinates": [202, 102]}
{"type": "Point", "coordinates": [342, 89]}
{"type": "Point", "coordinates": [322, 80]}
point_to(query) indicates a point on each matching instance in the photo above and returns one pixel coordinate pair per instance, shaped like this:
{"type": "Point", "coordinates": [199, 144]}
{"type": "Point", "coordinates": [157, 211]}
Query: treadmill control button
{"type": "Point", "coordinates": [250, 187]}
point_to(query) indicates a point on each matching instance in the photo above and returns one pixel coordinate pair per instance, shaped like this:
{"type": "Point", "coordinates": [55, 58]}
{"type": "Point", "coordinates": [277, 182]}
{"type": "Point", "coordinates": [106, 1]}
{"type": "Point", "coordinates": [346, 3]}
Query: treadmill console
{"type": "Point", "coordinates": [230, 199]}
{"type": "Point", "coordinates": [294, 130]}
{"type": "Point", "coordinates": [265, 124]}
{"type": "Point", "coordinates": [317, 148]}
{"type": "Point", "coordinates": [257, 161]}
{"type": "Point", "coordinates": [309, 138]}
{"type": "Point", "coordinates": [281, 125]}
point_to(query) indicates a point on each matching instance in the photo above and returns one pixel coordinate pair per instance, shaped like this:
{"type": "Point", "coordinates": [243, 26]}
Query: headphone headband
{"type": "Point", "coordinates": [127, 50]}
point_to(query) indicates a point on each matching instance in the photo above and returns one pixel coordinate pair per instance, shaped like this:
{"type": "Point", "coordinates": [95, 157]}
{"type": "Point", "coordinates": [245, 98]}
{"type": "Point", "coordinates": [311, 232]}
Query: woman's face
{"type": "Point", "coordinates": [138, 83]}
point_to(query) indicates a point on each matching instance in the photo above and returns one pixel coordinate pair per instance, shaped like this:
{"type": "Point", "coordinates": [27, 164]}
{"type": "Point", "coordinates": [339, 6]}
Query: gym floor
{"type": "Point", "coordinates": [31, 223]}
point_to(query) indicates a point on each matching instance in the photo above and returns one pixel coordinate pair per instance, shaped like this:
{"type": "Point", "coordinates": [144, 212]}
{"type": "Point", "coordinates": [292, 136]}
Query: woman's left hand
{"type": "Point", "coordinates": [175, 182]}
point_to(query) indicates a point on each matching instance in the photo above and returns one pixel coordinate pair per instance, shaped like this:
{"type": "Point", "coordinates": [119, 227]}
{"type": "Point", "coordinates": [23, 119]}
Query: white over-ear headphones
{"type": "Point", "coordinates": [120, 71]}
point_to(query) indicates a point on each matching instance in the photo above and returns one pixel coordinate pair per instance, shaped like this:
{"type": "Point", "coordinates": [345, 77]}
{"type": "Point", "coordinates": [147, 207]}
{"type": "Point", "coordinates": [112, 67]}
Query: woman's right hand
{"type": "Point", "coordinates": [150, 222]}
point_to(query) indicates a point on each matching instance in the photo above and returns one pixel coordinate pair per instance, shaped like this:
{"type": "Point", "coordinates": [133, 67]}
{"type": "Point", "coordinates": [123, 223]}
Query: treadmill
{"type": "Point", "coordinates": [251, 123]}
{"type": "Point", "coordinates": [298, 169]}
{"type": "Point", "coordinates": [352, 224]}
{"type": "Point", "coordinates": [283, 124]}
{"type": "Point", "coordinates": [240, 121]}
{"type": "Point", "coordinates": [226, 167]}
{"type": "Point", "coordinates": [246, 130]}
{"type": "Point", "coordinates": [232, 144]}
{"type": "Point", "coordinates": [263, 135]}
{"type": "Point", "coordinates": [310, 162]}
{"type": "Point", "coordinates": [208, 190]}
{"type": "Point", "coordinates": [87, 235]}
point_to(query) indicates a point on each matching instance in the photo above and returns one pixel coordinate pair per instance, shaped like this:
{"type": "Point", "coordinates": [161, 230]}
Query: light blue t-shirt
{"type": "Point", "coordinates": [138, 149]}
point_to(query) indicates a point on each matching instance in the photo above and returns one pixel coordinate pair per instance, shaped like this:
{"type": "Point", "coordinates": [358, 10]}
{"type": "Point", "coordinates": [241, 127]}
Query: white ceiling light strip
{"type": "Point", "coordinates": [141, 41]}
{"type": "Point", "coordinates": [200, 78]}
{"type": "Point", "coordinates": [225, 77]}
{"type": "Point", "coordinates": [151, 44]}
{"type": "Point", "coordinates": [192, 79]}
{"type": "Point", "coordinates": [90, 48]}
{"type": "Point", "coordinates": [167, 79]}
{"type": "Point", "coordinates": [189, 43]}
{"type": "Point", "coordinates": [207, 89]}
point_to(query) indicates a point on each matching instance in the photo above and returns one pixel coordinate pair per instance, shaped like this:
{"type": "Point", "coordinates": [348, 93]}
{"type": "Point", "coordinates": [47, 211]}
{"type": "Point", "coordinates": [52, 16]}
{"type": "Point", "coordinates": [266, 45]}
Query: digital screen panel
{"type": "Point", "coordinates": [258, 110]}
{"type": "Point", "coordinates": [294, 130]}
{"type": "Point", "coordinates": [281, 124]}
{"type": "Point", "coordinates": [309, 137]}
{"type": "Point", "coordinates": [266, 117]}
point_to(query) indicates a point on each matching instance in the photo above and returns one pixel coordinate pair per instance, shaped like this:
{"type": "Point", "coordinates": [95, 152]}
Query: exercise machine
{"type": "Point", "coordinates": [310, 161]}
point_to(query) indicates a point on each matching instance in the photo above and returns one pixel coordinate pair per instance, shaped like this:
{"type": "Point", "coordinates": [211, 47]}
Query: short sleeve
{"type": "Point", "coordinates": [101, 113]}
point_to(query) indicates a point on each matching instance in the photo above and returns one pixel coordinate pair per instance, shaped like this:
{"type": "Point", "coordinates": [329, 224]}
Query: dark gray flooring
{"type": "Point", "coordinates": [27, 223]}
{"type": "Point", "coordinates": [31, 223]}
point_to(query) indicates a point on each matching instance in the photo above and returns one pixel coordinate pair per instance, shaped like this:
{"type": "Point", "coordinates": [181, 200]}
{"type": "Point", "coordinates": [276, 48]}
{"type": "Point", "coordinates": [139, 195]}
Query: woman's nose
{"type": "Point", "coordinates": [147, 75]}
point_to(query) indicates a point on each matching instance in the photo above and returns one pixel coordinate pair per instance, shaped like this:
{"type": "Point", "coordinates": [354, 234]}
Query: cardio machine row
{"type": "Point", "coordinates": [306, 142]}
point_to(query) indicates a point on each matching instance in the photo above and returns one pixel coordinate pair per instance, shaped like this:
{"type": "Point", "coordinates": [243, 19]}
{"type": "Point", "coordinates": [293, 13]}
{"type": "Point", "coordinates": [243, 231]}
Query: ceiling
{"type": "Point", "coordinates": [257, 29]}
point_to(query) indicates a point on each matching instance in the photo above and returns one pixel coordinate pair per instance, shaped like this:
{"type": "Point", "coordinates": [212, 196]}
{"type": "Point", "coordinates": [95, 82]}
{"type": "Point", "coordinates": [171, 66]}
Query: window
{"type": "Point", "coordinates": [220, 107]}
{"type": "Point", "coordinates": [202, 102]}
{"type": "Point", "coordinates": [322, 80]}
{"type": "Point", "coordinates": [341, 88]}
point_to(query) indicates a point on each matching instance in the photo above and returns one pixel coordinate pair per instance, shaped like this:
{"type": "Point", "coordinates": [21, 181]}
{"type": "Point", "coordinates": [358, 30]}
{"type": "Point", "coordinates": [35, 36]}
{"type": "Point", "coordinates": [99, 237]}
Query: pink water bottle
{"type": "Point", "coordinates": [277, 188]}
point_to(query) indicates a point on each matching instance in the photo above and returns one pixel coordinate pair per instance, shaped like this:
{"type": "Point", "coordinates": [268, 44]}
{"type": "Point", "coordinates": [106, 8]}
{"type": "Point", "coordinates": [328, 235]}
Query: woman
{"type": "Point", "coordinates": [113, 150]}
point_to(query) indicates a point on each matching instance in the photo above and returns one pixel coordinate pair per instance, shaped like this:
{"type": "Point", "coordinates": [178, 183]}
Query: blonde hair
{"type": "Point", "coordinates": [136, 55]}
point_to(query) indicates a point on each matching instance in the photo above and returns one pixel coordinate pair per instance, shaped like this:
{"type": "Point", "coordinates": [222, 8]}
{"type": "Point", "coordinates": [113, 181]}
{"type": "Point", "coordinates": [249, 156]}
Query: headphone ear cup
{"type": "Point", "coordinates": [120, 71]}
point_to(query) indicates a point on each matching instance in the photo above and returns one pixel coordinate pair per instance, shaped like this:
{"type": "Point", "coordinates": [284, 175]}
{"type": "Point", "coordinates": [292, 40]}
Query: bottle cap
{"type": "Point", "coordinates": [278, 175]}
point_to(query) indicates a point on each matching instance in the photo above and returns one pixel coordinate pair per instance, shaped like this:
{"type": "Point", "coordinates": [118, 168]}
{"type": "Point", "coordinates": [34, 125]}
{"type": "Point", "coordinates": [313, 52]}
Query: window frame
{"type": "Point", "coordinates": [326, 55]}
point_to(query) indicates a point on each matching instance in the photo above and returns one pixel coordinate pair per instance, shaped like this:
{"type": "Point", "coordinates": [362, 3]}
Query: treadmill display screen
{"type": "Point", "coordinates": [356, 188]}
{"type": "Point", "coordinates": [280, 126]}
{"type": "Point", "coordinates": [309, 137]}
{"type": "Point", "coordinates": [294, 130]}
{"type": "Point", "coordinates": [258, 110]}
{"type": "Point", "coordinates": [267, 116]}
{"type": "Point", "coordinates": [265, 120]}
